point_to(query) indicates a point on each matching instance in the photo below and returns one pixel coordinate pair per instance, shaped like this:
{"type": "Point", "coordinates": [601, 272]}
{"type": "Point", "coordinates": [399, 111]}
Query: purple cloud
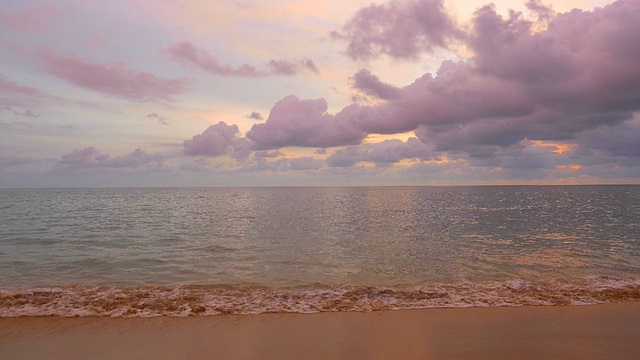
{"type": "Point", "coordinates": [267, 154]}
{"type": "Point", "coordinates": [27, 112]}
{"type": "Point", "coordinates": [295, 122]}
{"type": "Point", "coordinates": [219, 139]}
{"type": "Point", "coordinates": [30, 20]}
{"type": "Point", "coordinates": [383, 154]}
{"type": "Point", "coordinates": [581, 73]}
{"type": "Point", "coordinates": [112, 79]}
{"type": "Point", "coordinates": [262, 164]}
{"type": "Point", "coordinates": [305, 163]}
{"type": "Point", "coordinates": [10, 161]}
{"type": "Point", "coordinates": [543, 12]}
{"type": "Point", "coordinates": [255, 116]}
{"type": "Point", "coordinates": [621, 140]}
{"type": "Point", "coordinates": [188, 53]}
{"type": "Point", "coordinates": [161, 119]}
{"type": "Point", "coordinates": [399, 29]}
{"type": "Point", "coordinates": [287, 67]}
{"type": "Point", "coordinates": [89, 157]}
{"type": "Point", "coordinates": [12, 93]}
{"type": "Point", "coordinates": [370, 84]}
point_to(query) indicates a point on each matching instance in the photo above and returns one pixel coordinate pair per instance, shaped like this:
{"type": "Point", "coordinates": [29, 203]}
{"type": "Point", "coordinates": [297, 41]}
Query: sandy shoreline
{"type": "Point", "coordinates": [558, 332]}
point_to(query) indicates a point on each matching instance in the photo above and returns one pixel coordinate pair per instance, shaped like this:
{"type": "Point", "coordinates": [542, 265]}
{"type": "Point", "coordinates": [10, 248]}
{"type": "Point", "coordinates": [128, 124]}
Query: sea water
{"type": "Point", "coordinates": [186, 251]}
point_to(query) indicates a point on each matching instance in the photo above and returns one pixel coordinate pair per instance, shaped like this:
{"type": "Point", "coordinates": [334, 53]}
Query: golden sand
{"type": "Point", "coordinates": [609, 331]}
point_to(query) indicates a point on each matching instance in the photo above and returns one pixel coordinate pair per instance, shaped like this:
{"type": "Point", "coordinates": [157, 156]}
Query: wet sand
{"type": "Point", "coordinates": [609, 331]}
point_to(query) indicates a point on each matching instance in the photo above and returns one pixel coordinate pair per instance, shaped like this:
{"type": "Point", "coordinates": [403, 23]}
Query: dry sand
{"type": "Point", "coordinates": [610, 331]}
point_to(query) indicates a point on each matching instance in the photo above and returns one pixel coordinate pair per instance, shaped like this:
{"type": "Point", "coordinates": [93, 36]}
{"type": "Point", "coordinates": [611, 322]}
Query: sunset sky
{"type": "Point", "coordinates": [335, 92]}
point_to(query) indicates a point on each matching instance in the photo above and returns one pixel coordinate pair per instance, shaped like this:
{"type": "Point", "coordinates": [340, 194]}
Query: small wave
{"type": "Point", "coordinates": [149, 301]}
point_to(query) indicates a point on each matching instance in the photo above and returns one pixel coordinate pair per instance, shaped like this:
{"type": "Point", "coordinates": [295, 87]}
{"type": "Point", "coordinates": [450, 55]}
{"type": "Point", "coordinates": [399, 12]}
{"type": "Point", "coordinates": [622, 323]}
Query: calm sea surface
{"type": "Point", "coordinates": [377, 245]}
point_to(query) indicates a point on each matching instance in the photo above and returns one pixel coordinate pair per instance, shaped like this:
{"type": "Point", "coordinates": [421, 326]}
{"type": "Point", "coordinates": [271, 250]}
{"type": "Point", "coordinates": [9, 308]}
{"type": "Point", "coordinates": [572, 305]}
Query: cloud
{"type": "Point", "coordinates": [29, 20]}
{"type": "Point", "coordinates": [543, 12]}
{"type": "Point", "coordinates": [288, 67]}
{"type": "Point", "coordinates": [14, 94]}
{"type": "Point", "coordinates": [305, 163]}
{"type": "Point", "coordinates": [27, 112]}
{"type": "Point", "coordinates": [295, 122]}
{"type": "Point", "coordinates": [255, 116]}
{"type": "Point", "coordinates": [383, 154]}
{"type": "Point", "coordinates": [621, 140]}
{"type": "Point", "coordinates": [579, 74]}
{"type": "Point", "coordinates": [188, 53]}
{"type": "Point", "coordinates": [217, 140]}
{"type": "Point", "coordinates": [10, 161]}
{"type": "Point", "coordinates": [161, 119]}
{"type": "Point", "coordinates": [89, 157]}
{"type": "Point", "coordinates": [113, 79]}
{"type": "Point", "coordinates": [399, 29]}
{"type": "Point", "coordinates": [262, 164]}
{"type": "Point", "coordinates": [370, 84]}
{"type": "Point", "coordinates": [267, 154]}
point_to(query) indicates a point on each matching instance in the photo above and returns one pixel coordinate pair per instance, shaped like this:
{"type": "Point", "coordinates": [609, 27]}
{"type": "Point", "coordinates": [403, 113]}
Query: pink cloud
{"type": "Point", "coordinates": [383, 154]}
{"type": "Point", "coordinates": [112, 79]}
{"type": "Point", "coordinates": [268, 154]}
{"type": "Point", "coordinates": [26, 112]}
{"type": "Point", "coordinates": [255, 116]}
{"type": "Point", "coordinates": [305, 163]}
{"type": "Point", "coordinates": [188, 53]}
{"type": "Point", "coordinates": [370, 84]}
{"type": "Point", "coordinates": [89, 157]}
{"type": "Point", "coordinates": [29, 20]}
{"type": "Point", "coordinates": [9, 87]}
{"type": "Point", "coordinates": [399, 29]}
{"type": "Point", "coordinates": [14, 94]}
{"type": "Point", "coordinates": [295, 122]}
{"type": "Point", "coordinates": [219, 139]}
{"type": "Point", "coordinates": [581, 73]}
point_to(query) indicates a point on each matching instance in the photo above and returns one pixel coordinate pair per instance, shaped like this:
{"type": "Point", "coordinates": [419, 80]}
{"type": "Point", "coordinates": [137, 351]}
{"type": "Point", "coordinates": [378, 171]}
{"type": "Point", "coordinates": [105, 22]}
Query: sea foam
{"type": "Point", "coordinates": [149, 301]}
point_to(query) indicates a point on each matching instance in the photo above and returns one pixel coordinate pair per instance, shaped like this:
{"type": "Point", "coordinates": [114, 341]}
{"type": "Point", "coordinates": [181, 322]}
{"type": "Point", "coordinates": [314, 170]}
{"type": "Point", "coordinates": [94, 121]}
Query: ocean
{"type": "Point", "coordinates": [205, 251]}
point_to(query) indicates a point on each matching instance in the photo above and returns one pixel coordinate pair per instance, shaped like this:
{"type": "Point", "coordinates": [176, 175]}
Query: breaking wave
{"type": "Point", "coordinates": [149, 301]}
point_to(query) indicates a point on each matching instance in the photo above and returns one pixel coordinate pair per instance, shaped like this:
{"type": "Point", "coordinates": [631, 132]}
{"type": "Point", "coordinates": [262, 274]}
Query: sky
{"type": "Point", "coordinates": [305, 93]}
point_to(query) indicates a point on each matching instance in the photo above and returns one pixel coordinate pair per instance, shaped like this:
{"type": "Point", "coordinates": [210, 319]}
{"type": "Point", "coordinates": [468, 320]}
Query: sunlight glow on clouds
{"type": "Point", "coordinates": [294, 93]}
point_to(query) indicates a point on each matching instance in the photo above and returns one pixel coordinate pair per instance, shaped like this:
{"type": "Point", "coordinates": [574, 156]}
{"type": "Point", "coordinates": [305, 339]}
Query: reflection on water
{"type": "Point", "coordinates": [280, 237]}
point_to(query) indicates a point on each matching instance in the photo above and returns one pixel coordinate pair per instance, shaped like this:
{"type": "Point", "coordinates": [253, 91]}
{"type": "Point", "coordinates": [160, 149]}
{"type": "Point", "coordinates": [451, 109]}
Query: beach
{"type": "Point", "coordinates": [539, 332]}
{"type": "Point", "coordinates": [503, 272]}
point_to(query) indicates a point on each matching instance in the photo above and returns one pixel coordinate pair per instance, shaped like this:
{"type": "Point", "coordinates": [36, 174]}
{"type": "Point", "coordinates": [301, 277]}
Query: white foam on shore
{"type": "Point", "coordinates": [149, 301]}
